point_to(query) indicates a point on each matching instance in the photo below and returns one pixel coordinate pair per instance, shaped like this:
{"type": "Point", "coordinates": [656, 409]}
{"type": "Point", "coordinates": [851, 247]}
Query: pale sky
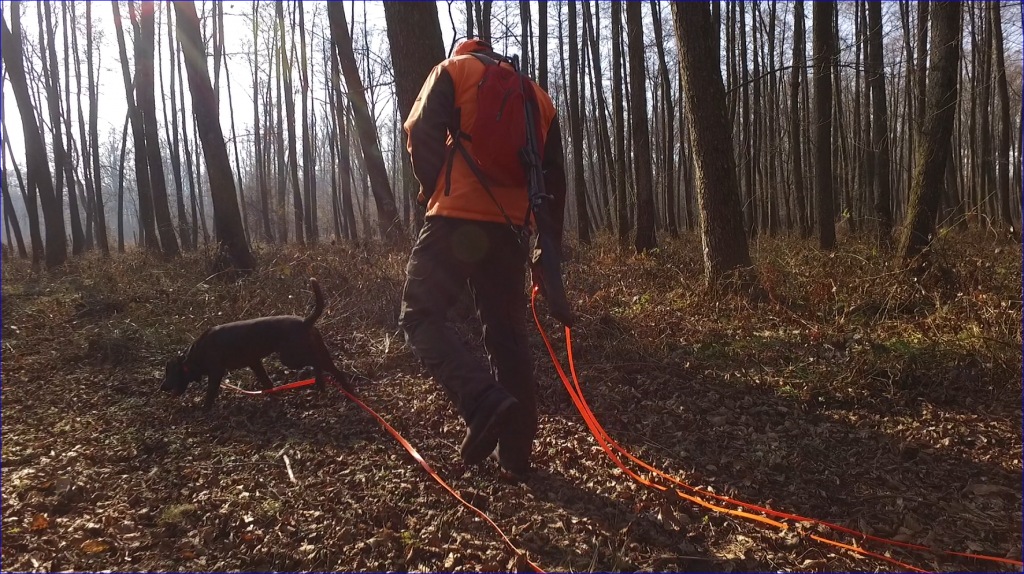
{"type": "Point", "coordinates": [238, 43]}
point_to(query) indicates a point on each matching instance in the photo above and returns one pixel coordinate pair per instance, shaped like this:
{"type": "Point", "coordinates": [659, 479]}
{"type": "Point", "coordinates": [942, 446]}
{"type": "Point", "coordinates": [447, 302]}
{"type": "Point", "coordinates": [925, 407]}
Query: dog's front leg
{"type": "Point", "coordinates": [213, 381]}
{"type": "Point", "coordinates": [261, 375]}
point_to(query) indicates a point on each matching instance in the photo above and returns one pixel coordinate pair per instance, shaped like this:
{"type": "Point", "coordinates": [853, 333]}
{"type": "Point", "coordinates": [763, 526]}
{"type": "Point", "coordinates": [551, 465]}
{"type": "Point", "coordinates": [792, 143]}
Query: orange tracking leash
{"type": "Point", "coordinates": [607, 444]}
{"type": "Point", "coordinates": [412, 451]}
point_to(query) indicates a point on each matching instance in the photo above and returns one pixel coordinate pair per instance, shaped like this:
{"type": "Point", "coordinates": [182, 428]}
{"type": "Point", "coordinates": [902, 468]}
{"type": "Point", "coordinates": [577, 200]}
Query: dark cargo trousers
{"type": "Point", "coordinates": [448, 254]}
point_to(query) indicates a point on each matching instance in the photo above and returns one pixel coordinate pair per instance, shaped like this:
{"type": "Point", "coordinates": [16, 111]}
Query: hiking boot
{"type": "Point", "coordinates": [514, 455]}
{"type": "Point", "coordinates": [484, 430]}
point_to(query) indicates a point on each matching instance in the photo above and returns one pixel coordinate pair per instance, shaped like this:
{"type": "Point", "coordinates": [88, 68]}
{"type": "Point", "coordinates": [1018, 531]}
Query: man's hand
{"type": "Point", "coordinates": [537, 273]}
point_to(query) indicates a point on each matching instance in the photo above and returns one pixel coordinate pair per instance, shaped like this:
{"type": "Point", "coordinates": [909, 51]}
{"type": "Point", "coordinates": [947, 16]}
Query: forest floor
{"type": "Point", "coordinates": [854, 394]}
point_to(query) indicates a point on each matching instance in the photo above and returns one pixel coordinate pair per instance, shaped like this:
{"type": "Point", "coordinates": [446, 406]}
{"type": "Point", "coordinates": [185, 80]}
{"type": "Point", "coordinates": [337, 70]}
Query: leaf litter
{"type": "Point", "coordinates": [856, 395]}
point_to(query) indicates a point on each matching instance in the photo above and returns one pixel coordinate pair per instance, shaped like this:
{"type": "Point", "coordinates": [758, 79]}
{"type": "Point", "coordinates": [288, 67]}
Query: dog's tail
{"type": "Point", "coordinates": [318, 305]}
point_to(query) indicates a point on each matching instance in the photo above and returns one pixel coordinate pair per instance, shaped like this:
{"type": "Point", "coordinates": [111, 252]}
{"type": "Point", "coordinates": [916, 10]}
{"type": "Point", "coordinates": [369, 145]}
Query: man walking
{"type": "Point", "coordinates": [477, 212]}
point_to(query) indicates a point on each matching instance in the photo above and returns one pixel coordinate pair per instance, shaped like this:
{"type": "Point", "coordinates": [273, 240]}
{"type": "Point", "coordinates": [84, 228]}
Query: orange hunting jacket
{"type": "Point", "coordinates": [448, 99]}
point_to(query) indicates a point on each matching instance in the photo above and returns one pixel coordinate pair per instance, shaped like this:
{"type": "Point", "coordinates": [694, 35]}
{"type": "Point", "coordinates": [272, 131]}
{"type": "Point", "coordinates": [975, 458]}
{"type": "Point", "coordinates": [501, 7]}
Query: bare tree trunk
{"type": "Point", "coordinates": [748, 193]}
{"type": "Point", "coordinates": [282, 207]}
{"type": "Point", "coordinates": [147, 104]}
{"type": "Point", "coordinates": [63, 155]}
{"type": "Point", "coordinates": [483, 11]}
{"type": "Point", "coordinates": [308, 192]}
{"type": "Point", "coordinates": [414, 32]}
{"type": "Point", "coordinates": [542, 44]}
{"type": "Point", "coordinates": [985, 138]}
{"type": "Point", "coordinates": [618, 118]}
{"type": "Point", "coordinates": [668, 137]}
{"type": "Point", "coordinates": [186, 151]}
{"type": "Point", "coordinates": [120, 186]}
{"type": "Point", "coordinates": [347, 175]}
{"type": "Point", "coordinates": [933, 148]}
{"type": "Point", "coordinates": [261, 168]}
{"type": "Point", "coordinates": [605, 153]}
{"type": "Point", "coordinates": [390, 224]}
{"type": "Point", "coordinates": [332, 135]}
{"type": "Point", "coordinates": [9, 213]}
{"type": "Point", "coordinates": [289, 105]}
{"type": "Point", "coordinates": [824, 53]}
{"type": "Point", "coordinates": [184, 232]}
{"type": "Point", "coordinates": [38, 168]}
{"type": "Point", "coordinates": [726, 255]}
{"type": "Point", "coordinates": [147, 226]}
{"type": "Point", "coordinates": [11, 216]}
{"type": "Point", "coordinates": [576, 127]}
{"type": "Point", "coordinates": [234, 145]}
{"type": "Point", "coordinates": [524, 25]}
{"type": "Point", "coordinates": [1003, 96]}
{"type": "Point", "coordinates": [226, 216]}
{"type": "Point", "coordinates": [879, 123]}
{"type": "Point", "coordinates": [94, 142]}
{"type": "Point", "coordinates": [1018, 184]}
{"type": "Point", "coordinates": [799, 60]}
{"type": "Point", "coordinates": [645, 239]}
{"type": "Point", "coordinates": [29, 196]}
{"type": "Point", "coordinates": [83, 138]}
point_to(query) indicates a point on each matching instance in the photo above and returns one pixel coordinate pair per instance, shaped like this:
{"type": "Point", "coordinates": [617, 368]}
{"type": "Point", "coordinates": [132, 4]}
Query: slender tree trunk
{"type": "Point", "coordinates": [483, 11]}
{"type": "Point", "coordinates": [226, 216]}
{"type": "Point", "coordinates": [9, 214]}
{"type": "Point", "coordinates": [542, 44]}
{"type": "Point", "coordinates": [726, 255]}
{"type": "Point", "coordinates": [824, 52]}
{"type": "Point", "coordinates": [388, 220]}
{"type": "Point", "coordinates": [63, 155]}
{"type": "Point", "coordinates": [414, 32]}
{"type": "Point", "coordinates": [289, 106]}
{"type": "Point", "coordinates": [28, 195]}
{"type": "Point", "coordinates": [933, 148]}
{"type": "Point", "coordinates": [11, 217]}
{"type": "Point", "coordinates": [879, 123]}
{"type": "Point", "coordinates": [38, 168]}
{"type": "Point", "coordinates": [83, 138]}
{"type": "Point", "coordinates": [668, 137]}
{"type": "Point", "coordinates": [120, 186]}
{"type": "Point", "coordinates": [645, 216]}
{"type": "Point", "coordinates": [282, 186]}
{"type": "Point", "coordinates": [597, 86]}
{"type": "Point", "coordinates": [234, 145]}
{"type": "Point", "coordinates": [308, 192]}
{"type": "Point", "coordinates": [576, 127]}
{"type": "Point", "coordinates": [94, 142]}
{"type": "Point", "coordinates": [1003, 96]}
{"type": "Point", "coordinates": [184, 231]}
{"type": "Point", "coordinates": [524, 26]}
{"type": "Point", "coordinates": [147, 225]}
{"type": "Point", "coordinates": [799, 60]}
{"type": "Point", "coordinates": [147, 105]}
{"type": "Point", "coordinates": [332, 136]}
{"type": "Point", "coordinates": [261, 169]}
{"type": "Point", "coordinates": [1018, 177]}
{"type": "Point", "coordinates": [749, 132]}
{"type": "Point", "coordinates": [618, 107]}
{"type": "Point", "coordinates": [347, 173]}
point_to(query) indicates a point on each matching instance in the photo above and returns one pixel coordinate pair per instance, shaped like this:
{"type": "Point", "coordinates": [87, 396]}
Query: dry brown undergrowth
{"type": "Point", "coordinates": [856, 395]}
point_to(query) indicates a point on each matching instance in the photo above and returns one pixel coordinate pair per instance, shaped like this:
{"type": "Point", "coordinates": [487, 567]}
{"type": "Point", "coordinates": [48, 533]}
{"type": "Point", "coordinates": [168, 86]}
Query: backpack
{"type": "Point", "coordinates": [499, 132]}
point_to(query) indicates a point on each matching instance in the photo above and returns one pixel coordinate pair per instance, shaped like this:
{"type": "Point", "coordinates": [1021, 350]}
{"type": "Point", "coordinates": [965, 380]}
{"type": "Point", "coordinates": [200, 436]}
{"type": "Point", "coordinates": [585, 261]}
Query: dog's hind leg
{"type": "Point", "coordinates": [212, 388]}
{"type": "Point", "coordinates": [319, 374]}
{"type": "Point", "coordinates": [261, 375]}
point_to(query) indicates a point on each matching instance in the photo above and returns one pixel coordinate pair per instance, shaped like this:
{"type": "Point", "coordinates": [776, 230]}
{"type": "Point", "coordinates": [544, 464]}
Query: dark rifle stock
{"type": "Point", "coordinates": [552, 288]}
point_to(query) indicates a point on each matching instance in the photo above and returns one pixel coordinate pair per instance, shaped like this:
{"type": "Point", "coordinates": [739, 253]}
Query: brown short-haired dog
{"type": "Point", "coordinates": [223, 348]}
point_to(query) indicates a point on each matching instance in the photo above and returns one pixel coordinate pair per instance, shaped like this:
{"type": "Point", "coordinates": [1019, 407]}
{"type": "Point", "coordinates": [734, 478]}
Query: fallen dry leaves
{"type": "Point", "coordinates": [857, 395]}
